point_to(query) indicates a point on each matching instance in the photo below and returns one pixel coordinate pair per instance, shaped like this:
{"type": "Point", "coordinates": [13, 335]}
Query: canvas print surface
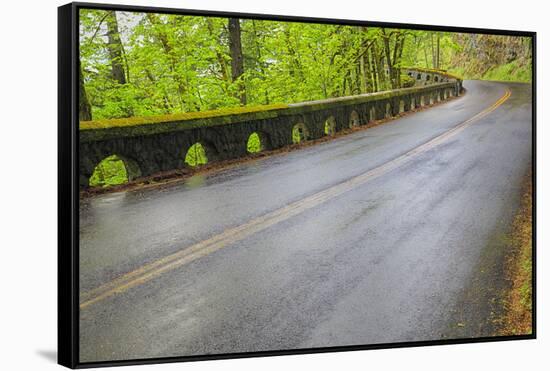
{"type": "Point", "coordinates": [257, 185]}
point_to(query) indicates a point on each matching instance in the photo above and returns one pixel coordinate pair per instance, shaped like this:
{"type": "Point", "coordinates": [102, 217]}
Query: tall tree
{"type": "Point", "coordinates": [220, 57]}
{"type": "Point", "coordinates": [237, 65]}
{"type": "Point", "coordinates": [116, 51]}
{"type": "Point", "coordinates": [85, 109]}
{"type": "Point", "coordinates": [190, 63]}
{"type": "Point", "coordinates": [437, 50]}
{"type": "Point", "coordinates": [160, 34]}
{"type": "Point", "coordinates": [393, 56]}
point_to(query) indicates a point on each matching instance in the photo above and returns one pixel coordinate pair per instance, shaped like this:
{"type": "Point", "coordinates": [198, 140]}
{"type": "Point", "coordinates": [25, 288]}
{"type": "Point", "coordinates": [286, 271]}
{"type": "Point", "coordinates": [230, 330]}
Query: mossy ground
{"type": "Point", "coordinates": [184, 116]}
{"type": "Point", "coordinates": [452, 75]}
{"type": "Point", "coordinates": [519, 264]}
{"type": "Point", "coordinates": [407, 81]}
{"type": "Point", "coordinates": [512, 72]}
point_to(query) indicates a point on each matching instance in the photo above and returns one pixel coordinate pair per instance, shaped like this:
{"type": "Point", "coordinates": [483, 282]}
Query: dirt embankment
{"type": "Point", "coordinates": [517, 318]}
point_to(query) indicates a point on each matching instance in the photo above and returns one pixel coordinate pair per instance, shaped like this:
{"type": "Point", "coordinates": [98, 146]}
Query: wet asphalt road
{"type": "Point", "coordinates": [385, 262]}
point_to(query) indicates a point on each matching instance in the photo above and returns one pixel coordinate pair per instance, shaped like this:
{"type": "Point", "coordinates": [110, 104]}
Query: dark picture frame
{"type": "Point", "coordinates": [68, 183]}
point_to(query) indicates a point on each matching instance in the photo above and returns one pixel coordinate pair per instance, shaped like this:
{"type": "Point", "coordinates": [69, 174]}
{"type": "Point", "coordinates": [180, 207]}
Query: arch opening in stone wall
{"type": "Point", "coordinates": [198, 154]}
{"type": "Point", "coordinates": [388, 113]}
{"type": "Point", "coordinates": [401, 106]}
{"type": "Point", "coordinates": [300, 133]}
{"type": "Point", "coordinates": [257, 142]}
{"type": "Point", "coordinates": [354, 119]}
{"type": "Point", "coordinates": [330, 126]}
{"type": "Point", "coordinates": [372, 113]}
{"type": "Point", "coordinates": [114, 170]}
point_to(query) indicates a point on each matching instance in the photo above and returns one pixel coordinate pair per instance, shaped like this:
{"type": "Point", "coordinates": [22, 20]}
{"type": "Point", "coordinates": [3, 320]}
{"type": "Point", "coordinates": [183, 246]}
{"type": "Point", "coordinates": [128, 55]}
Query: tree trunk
{"type": "Point", "coordinates": [394, 60]}
{"type": "Point", "coordinates": [378, 61]}
{"type": "Point", "coordinates": [85, 110]}
{"type": "Point", "coordinates": [260, 60]}
{"type": "Point", "coordinates": [219, 56]}
{"type": "Point", "coordinates": [389, 60]}
{"type": "Point", "coordinates": [437, 52]}
{"type": "Point", "coordinates": [371, 81]}
{"type": "Point", "coordinates": [237, 65]}
{"type": "Point", "coordinates": [387, 53]}
{"type": "Point", "coordinates": [424, 42]}
{"type": "Point", "coordinates": [433, 49]}
{"type": "Point", "coordinates": [114, 46]}
{"type": "Point", "coordinates": [399, 58]}
{"type": "Point", "coordinates": [362, 73]}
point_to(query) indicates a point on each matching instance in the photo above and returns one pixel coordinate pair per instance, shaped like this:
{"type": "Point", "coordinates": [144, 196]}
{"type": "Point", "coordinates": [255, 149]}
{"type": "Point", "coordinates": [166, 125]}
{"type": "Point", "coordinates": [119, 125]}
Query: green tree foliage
{"type": "Point", "coordinates": [492, 57]}
{"type": "Point", "coordinates": [472, 56]}
{"type": "Point", "coordinates": [137, 64]}
{"type": "Point", "coordinates": [144, 64]}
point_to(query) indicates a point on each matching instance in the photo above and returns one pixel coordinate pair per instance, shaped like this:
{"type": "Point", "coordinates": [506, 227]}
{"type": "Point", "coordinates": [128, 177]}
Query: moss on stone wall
{"type": "Point", "coordinates": [437, 72]}
{"type": "Point", "coordinates": [185, 116]}
{"type": "Point", "coordinates": [407, 81]}
{"type": "Point", "coordinates": [97, 130]}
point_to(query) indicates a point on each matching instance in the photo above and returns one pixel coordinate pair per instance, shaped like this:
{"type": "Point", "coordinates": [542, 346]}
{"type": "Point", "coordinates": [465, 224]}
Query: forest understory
{"type": "Point", "coordinates": [137, 64]}
{"type": "Point", "coordinates": [518, 300]}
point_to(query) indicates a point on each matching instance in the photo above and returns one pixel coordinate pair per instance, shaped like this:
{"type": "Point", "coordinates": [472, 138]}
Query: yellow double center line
{"type": "Point", "coordinates": [154, 269]}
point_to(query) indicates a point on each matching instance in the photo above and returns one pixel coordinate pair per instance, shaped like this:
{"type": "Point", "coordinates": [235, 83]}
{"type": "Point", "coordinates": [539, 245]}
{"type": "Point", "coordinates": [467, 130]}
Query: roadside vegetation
{"type": "Point", "coordinates": [492, 57]}
{"type": "Point", "coordinates": [518, 301]}
{"type": "Point", "coordinates": [513, 71]}
{"type": "Point", "coordinates": [146, 64]}
{"type": "Point", "coordinates": [145, 68]}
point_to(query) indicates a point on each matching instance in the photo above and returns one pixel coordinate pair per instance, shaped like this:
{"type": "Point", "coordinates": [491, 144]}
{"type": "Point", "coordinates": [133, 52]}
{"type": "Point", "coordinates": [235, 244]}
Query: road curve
{"type": "Point", "coordinates": [387, 259]}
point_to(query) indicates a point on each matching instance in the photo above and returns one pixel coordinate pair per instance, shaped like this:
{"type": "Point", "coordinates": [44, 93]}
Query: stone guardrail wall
{"type": "Point", "coordinates": [424, 76]}
{"type": "Point", "coordinates": [151, 148]}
